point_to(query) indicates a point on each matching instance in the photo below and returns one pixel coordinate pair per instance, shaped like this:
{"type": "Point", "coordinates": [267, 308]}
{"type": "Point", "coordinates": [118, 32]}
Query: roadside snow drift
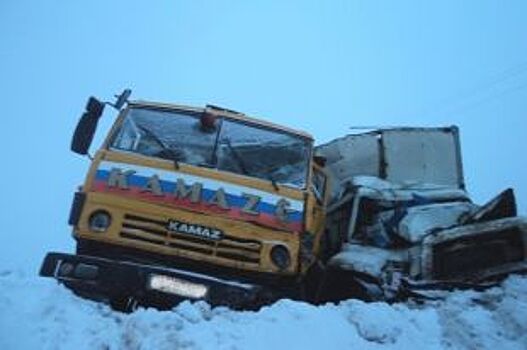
{"type": "Point", "coordinates": [36, 313]}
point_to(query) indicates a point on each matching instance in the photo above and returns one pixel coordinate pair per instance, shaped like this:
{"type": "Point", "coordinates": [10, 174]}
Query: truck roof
{"type": "Point", "coordinates": [229, 114]}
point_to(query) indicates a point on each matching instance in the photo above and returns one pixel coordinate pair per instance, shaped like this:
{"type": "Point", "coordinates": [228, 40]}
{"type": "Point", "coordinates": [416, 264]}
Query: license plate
{"type": "Point", "coordinates": [173, 285]}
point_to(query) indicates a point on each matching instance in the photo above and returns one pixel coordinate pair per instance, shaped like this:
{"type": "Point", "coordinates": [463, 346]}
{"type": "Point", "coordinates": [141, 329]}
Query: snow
{"type": "Point", "coordinates": [366, 259]}
{"type": "Point", "coordinates": [38, 313]}
{"type": "Point", "coordinates": [375, 187]}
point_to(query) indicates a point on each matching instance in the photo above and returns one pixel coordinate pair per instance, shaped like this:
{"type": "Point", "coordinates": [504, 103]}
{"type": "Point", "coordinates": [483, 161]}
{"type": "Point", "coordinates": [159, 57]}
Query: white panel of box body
{"type": "Point", "coordinates": [400, 155]}
{"type": "Point", "coordinates": [422, 155]}
{"type": "Point", "coordinates": [352, 155]}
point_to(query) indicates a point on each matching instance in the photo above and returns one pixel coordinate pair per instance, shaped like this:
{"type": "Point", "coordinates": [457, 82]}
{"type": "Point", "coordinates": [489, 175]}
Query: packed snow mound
{"type": "Point", "coordinates": [37, 313]}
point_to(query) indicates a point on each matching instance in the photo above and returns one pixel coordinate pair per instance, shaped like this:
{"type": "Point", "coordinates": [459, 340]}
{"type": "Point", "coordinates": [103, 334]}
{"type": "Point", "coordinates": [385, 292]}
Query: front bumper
{"type": "Point", "coordinates": [107, 280]}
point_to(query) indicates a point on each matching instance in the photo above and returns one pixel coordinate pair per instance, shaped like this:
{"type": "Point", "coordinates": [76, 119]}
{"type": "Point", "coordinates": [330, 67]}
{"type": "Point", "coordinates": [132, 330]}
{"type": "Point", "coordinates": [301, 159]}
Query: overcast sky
{"type": "Point", "coordinates": [320, 66]}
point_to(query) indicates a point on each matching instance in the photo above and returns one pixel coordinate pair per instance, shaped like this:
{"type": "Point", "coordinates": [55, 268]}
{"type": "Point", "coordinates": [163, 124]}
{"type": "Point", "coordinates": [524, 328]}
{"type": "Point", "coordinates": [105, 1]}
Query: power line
{"type": "Point", "coordinates": [457, 101]}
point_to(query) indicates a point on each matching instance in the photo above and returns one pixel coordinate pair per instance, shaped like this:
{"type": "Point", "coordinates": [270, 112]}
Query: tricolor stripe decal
{"type": "Point", "coordinates": [233, 193]}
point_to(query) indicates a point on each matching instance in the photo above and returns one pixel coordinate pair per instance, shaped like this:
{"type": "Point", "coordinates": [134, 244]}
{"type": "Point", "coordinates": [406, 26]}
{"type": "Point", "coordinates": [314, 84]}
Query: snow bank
{"type": "Point", "coordinates": [36, 313]}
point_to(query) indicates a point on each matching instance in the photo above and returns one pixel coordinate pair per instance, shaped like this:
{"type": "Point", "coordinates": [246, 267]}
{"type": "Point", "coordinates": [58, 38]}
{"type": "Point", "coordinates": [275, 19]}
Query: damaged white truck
{"type": "Point", "coordinates": [400, 222]}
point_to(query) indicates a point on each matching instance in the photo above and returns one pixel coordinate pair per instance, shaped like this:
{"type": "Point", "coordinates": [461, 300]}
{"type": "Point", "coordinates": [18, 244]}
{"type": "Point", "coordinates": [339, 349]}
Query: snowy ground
{"type": "Point", "coordinates": [36, 313]}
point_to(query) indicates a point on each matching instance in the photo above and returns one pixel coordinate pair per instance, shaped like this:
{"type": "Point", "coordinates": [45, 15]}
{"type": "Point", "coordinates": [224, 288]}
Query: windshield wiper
{"type": "Point", "coordinates": [166, 152]}
{"type": "Point", "coordinates": [237, 157]}
{"type": "Point", "coordinates": [269, 175]}
{"type": "Point", "coordinates": [271, 178]}
{"type": "Point", "coordinates": [243, 167]}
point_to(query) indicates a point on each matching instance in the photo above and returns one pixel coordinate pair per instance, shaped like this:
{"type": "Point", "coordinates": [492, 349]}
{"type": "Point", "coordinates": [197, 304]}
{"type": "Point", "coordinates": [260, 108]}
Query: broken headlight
{"type": "Point", "coordinates": [99, 221]}
{"type": "Point", "coordinates": [280, 257]}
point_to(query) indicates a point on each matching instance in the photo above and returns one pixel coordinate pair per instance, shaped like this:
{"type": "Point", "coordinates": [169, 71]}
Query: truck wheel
{"type": "Point", "coordinates": [340, 285]}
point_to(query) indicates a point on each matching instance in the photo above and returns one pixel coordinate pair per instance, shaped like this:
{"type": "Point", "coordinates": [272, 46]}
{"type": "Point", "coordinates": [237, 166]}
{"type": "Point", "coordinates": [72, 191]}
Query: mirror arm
{"type": "Point", "coordinates": [107, 103]}
{"type": "Point", "coordinates": [120, 99]}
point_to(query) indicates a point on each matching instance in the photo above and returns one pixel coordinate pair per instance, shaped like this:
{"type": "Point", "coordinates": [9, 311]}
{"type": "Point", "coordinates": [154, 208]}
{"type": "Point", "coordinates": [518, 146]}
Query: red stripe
{"type": "Point", "coordinates": [200, 207]}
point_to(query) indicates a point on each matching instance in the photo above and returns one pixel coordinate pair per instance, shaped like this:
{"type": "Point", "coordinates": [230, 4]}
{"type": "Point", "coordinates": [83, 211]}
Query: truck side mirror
{"type": "Point", "coordinates": [85, 130]}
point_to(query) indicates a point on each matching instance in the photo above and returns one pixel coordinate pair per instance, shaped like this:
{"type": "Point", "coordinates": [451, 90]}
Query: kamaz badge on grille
{"type": "Point", "coordinates": [194, 230]}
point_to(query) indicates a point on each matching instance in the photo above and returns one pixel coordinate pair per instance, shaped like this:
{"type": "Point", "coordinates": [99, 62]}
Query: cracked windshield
{"type": "Point", "coordinates": [223, 144]}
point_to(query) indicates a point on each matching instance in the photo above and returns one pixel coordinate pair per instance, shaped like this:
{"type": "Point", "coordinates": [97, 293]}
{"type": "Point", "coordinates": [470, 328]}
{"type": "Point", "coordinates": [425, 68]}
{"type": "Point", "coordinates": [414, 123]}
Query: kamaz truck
{"type": "Point", "coordinates": [192, 203]}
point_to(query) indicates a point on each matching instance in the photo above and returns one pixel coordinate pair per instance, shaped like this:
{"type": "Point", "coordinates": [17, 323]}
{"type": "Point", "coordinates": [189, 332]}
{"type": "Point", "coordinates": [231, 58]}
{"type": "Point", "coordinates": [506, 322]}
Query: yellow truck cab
{"type": "Point", "coordinates": [192, 203]}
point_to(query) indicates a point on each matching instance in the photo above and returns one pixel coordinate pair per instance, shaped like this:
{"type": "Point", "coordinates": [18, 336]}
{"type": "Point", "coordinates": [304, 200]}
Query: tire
{"type": "Point", "coordinates": [124, 304]}
{"type": "Point", "coordinates": [341, 285]}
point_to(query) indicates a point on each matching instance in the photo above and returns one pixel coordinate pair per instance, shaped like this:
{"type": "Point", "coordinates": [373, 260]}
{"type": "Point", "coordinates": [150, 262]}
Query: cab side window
{"type": "Point", "coordinates": [319, 185]}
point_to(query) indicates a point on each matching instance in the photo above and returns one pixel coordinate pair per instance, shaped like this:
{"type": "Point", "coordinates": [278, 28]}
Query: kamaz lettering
{"type": "Point", "coordinates": [119, 179]}
{"type": "Point", "coordinates": [194, 230]}
{"type": "Point", "coordinates": [199, 194]}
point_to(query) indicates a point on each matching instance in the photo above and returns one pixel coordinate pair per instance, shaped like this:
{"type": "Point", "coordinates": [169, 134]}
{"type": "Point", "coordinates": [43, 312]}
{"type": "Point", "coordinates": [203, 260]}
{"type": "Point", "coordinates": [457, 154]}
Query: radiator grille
{"type": "Point", "coordinates": [469, 255]}
{"type": "Point", "coordinates": [155, 232]}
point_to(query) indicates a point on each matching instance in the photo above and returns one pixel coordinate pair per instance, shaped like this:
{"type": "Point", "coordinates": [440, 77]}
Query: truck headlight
{"type": "Point", "coordinates": [99, 221]}
{"type": "Point", "coordinates": [280, 257]}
